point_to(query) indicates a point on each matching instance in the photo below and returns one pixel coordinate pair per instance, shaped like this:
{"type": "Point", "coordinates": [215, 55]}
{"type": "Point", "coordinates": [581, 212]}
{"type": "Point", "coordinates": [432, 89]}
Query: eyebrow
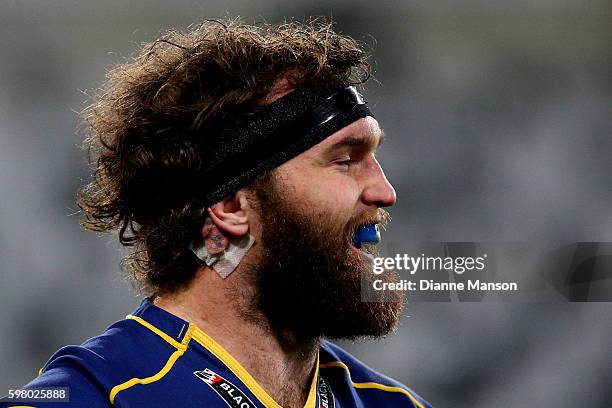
{"type": "Point", "coordinates": [364, 141]}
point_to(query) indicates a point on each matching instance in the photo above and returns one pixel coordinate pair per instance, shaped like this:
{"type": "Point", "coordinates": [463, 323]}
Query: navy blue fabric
{"type": "Point", "coordinates": [127, 350]}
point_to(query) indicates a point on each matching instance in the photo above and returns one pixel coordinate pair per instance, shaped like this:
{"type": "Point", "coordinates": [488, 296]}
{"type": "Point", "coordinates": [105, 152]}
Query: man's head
{"type": "Point", "coordinates": [165, 137]}
{"type": "Point", "coordinates": [308, 271]}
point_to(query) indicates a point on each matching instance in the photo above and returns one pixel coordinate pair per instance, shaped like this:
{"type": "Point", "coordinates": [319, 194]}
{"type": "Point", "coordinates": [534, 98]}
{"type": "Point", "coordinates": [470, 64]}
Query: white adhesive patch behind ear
{"type": "Point", "coordinates": [224, 263]}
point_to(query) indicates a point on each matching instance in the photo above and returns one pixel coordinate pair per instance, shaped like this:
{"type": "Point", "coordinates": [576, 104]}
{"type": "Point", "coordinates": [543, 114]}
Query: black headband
{"type": "Point", "coordinates": [245, 148]}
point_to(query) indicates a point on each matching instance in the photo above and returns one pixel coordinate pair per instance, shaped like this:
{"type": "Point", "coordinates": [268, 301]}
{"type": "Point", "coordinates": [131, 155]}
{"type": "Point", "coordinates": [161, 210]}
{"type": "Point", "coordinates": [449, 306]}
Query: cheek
{"type": "Point", "coordinates": [330, 194]}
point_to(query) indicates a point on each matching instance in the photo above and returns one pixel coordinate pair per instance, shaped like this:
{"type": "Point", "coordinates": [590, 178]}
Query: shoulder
{"type": "Point", "coordinates": [373, 388]}
{"type": "Point", "coordinates": [126, 344]}
{"type": "Point", "coordinates": [77, 387]}
{"type": "Point", "coordinates": [90, 371]}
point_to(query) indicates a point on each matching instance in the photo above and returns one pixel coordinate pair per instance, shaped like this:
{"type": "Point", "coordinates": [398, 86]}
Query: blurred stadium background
{"type": "Point", "coordinates": [499, 122]}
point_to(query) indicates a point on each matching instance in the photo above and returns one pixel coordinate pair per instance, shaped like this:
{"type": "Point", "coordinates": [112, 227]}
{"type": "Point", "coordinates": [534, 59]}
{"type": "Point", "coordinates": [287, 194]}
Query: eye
{"type": "Point", "coordinates": [343, 161]}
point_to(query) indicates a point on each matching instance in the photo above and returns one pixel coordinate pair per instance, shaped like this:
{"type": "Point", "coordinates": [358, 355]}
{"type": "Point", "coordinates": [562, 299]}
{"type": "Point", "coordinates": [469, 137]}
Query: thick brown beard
{"type": "Point", "coordinates": [308, 278]}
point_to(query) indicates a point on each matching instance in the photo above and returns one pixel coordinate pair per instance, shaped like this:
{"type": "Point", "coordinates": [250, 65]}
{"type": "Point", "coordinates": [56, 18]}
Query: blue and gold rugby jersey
{"type": "Point", "coordinates": [155, 359]}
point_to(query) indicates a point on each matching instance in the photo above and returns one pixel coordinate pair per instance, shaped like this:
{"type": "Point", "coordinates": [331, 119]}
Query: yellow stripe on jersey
{"type": "Point", "coordinates": [218, 351]}
{"type": "Point", "coordinates": [180, 349]}
{"type": "Point", "coordinates": [157, 331]}
{"type": "Point", "coordinates": [374, 385]}
{"type": "Point", "coordinates": [226, 358]}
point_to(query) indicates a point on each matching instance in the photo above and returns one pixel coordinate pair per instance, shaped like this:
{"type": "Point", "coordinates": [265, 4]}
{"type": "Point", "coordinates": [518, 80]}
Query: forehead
{"type": "Point", "coordinates": [365, 128]}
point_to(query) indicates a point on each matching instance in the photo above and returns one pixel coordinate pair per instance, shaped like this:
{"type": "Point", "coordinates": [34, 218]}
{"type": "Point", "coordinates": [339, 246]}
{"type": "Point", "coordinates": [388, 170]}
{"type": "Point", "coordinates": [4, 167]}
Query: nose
{"type": "Point", "coordinates": [377, 190]}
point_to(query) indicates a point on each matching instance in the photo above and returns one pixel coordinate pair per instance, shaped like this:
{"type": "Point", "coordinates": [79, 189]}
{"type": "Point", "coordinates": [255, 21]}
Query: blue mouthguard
{"type": "Point", "coordinates": [368, 234]}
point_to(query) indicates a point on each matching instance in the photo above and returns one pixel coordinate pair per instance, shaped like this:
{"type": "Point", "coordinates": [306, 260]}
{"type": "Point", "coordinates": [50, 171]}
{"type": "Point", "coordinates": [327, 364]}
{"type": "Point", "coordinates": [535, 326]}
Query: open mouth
{"type": "Point", "coordinates": [363, 253]}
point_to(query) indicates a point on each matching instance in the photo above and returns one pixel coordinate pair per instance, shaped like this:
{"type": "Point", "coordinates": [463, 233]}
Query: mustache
{"type": "Point", "coordinates": [378, 216]}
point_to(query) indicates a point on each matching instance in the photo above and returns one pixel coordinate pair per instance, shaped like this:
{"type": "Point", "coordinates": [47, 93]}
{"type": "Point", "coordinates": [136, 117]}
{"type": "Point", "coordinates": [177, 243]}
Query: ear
{"type": "Point", "coordinates": [231, 215]}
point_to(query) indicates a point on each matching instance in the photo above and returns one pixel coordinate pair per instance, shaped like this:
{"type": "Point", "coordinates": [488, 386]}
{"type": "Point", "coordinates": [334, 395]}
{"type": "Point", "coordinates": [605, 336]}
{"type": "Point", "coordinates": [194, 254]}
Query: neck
{"type": "Point", "coordinates": [280, 363]}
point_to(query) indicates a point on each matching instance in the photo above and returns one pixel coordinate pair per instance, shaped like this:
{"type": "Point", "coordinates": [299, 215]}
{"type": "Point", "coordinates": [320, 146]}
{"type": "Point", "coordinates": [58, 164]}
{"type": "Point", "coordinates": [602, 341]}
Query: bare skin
{"type": "Point", "coordinates": [329, 178]}
{"type": "Point", "coordinates": [285, 372]}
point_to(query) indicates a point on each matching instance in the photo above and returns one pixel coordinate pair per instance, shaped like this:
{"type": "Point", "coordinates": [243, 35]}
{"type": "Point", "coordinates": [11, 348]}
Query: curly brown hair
{"type": "Point", "coordinates": [142, 128]}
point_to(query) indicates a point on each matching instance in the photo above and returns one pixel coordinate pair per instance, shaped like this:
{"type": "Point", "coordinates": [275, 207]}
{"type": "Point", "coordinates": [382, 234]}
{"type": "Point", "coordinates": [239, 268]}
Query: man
{"type": "Point", "coordinates": [239, 161]}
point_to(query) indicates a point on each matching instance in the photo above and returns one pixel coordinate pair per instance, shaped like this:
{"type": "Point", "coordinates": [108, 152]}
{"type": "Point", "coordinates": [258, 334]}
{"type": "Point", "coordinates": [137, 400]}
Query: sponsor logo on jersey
{"type": "Point", "coordinates": [326, 398]}
{"type": "Point", "coordinates": [226, 390]}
